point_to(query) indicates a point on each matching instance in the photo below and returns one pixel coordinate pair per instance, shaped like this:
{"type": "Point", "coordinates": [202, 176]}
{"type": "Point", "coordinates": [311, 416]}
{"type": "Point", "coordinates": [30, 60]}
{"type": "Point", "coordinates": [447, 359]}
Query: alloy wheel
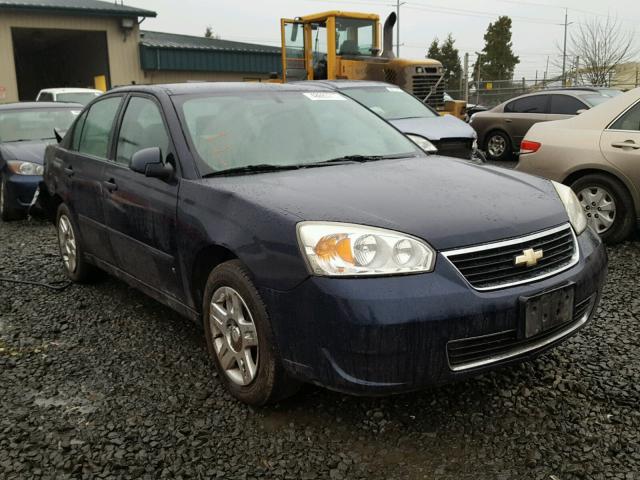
{"type": "Point", "coordinates": [496, 146]}
{"type": "Point", "coordinates": [235, 338]}
{"type": "Point", "coordinates": [67, 241]}
{"type": "Point", "coordinates": [599, 206]}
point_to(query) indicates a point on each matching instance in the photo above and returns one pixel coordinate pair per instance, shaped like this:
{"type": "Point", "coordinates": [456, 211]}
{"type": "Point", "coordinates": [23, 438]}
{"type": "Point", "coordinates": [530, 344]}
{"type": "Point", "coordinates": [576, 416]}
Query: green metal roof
{"type": "Point", "coordinates": [168, 51]}
{"type": "Point", "coordinates": [76, 7]}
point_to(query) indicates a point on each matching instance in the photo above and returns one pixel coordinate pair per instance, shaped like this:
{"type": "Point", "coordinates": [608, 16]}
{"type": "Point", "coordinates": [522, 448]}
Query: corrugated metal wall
{"type": "Point", "coordinates": [154, 58]}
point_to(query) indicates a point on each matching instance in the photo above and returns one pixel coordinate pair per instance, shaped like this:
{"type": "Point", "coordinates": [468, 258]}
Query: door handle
{"type": "Point", "coordinates": [110, 185]}
{"type": "Point", "coordinates": [626, 144]}
{"type": "Point", "coordinates": [507, 120]}
{"type": "Point", "coordinates": [69, 171]}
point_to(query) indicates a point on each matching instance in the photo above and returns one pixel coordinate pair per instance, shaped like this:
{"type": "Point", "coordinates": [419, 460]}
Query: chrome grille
{"type": "Point", "coordinates": [471, 352]}
{"type": "Point", "coordinates": [431, 85]}
{"type": "Point", "coordinates": [492, 266]}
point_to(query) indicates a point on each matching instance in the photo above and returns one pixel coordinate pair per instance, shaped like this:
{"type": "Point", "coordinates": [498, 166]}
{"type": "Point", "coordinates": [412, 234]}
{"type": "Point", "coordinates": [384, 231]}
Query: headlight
{"type": "Point", "coordinates": [573, 207]}
{"type": "Point", "coordinates": [423, 143]}
{"type": "Point", "coordinates": [343, 249]}
{"type": "Point", "coordinates": [25, 168]}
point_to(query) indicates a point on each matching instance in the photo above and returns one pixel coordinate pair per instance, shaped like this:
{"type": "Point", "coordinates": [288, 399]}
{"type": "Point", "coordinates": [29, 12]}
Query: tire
{"type": "Point", "coordinates": [597, 191]}
{"type": "Point", "coordinates": [494, 141]}
{"type": "Point", "coordinates": [77, 269]}
{"type": "Point", "coordinates": [6, 212]}
{"type": "Point", "coordinates": [242, 344]}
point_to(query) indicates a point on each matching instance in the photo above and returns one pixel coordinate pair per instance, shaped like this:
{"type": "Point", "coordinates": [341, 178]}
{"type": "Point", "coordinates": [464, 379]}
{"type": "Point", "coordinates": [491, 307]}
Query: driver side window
{"type": "Point", "coordinates": [142, 127]}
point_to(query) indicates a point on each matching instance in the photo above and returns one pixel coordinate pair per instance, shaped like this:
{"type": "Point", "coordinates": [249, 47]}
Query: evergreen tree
{"type": "Point", "coordinates": [448, 55]}
{"type": "Point", "coordinates": [498, 61]}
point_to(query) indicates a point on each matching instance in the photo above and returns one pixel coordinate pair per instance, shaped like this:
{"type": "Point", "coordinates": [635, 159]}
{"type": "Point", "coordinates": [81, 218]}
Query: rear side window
{"type": "Point", "coordinates": [629, 121]}
{"type": "Point", "coordinates": [565, 105]}
{"type": "Point", "coordinates": [142, 127]}
{"type": "Point", "coordinates": [97, 127]}
{"type": "Point", "coordinates": [77, 131]}
{"type": "Point", "coordinates": [533, 104]}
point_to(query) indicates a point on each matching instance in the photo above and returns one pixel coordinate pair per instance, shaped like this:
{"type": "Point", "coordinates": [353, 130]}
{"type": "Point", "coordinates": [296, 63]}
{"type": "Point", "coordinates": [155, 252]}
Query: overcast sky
{"type": "Point", "coordinates": [537, 24]}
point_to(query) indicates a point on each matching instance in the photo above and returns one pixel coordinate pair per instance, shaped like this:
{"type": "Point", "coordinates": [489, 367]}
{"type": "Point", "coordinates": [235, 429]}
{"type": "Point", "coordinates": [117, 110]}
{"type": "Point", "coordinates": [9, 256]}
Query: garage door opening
{"type": "Point", "coordinates": [52, 58]}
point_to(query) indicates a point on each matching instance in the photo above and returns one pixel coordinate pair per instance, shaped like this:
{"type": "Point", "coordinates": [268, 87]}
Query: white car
{"type": "Point", "coordinates": [69, 95]}
{"type": "Point", "coordinates": [597, 153]}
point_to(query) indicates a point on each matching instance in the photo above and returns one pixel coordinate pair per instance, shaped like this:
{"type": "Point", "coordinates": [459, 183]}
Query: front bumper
{"type": "Point", "coordinates": [390, 334]}
{"type": "Point", "coordinates": [20, 191]}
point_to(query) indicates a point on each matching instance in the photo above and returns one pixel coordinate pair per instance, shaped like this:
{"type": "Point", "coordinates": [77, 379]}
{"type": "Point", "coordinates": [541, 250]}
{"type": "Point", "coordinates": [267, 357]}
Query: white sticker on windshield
{"type": "Point", "coordinates": [395, 89]}
{"type": "Point", "coordinates": [75, 112]}
{"type": "Point", "coordinates": [324, 96]}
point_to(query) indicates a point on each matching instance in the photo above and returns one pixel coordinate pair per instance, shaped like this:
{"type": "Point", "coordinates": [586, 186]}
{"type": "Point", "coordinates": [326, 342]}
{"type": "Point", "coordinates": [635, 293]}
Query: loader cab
{"type": "Point", "coordinates": [313, 46]}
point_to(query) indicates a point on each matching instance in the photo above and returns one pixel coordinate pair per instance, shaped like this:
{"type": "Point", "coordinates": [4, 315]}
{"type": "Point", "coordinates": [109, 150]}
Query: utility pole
{"type": "Point", "coordinates": [398, 5]}
{"type": "Point", "coordinates": [466, 77]}
{"type": "Point", "coordinates": [479, 63]}
{"type": "Point", "coordinates": [564, 48]}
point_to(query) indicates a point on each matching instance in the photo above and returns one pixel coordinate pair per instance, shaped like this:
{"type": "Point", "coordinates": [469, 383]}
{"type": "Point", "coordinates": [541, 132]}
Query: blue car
{"type": "Point", "coordinates": [316, 243]}
{"type": "Point", "coordinates": [25, 131]}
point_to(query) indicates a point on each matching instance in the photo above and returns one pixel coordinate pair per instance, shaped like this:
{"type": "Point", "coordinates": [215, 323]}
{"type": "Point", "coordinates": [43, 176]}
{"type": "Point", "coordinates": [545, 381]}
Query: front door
{"type": "Point", "coordinates": [140, 212]}
{"type": "Point", "coordinates": [520, 114]}
{"type": "Point", "coordinates": [294, 58]}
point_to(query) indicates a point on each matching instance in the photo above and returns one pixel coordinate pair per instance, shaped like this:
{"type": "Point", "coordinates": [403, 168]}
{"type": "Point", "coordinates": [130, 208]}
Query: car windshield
{"type": "Point", "coordinates": [34, 124]}
{"type": "Point", "coordinates": [289, 128]}
{"type": "Point", "coordinates": [77, 97]}
{"type": "Point", "coordinates": [594, 99]}
{"type": "Point", "coordinates": [391, 103]}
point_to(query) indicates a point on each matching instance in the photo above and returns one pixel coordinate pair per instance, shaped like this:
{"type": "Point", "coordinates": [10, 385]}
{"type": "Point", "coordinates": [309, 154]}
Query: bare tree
{"type": "Point", "coordinates": [599, 45]}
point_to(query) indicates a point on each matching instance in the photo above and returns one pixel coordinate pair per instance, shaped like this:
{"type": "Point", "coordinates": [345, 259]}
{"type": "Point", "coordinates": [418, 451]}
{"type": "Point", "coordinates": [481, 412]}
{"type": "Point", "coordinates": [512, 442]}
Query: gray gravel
{"type": "Point", "coordinates": [101, 382]}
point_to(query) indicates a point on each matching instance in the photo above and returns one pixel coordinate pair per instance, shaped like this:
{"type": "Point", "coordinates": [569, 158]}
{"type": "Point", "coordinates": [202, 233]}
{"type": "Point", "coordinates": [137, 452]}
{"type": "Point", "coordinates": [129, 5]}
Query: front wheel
{"type": "Point", "coordinates": [7, 213]}
{"type": "Point", "coordinates": [239, 337]}
{"type": "Point", "coordinates": [498, 146]}
{"type": "Point", "coordinates": [607, 205]}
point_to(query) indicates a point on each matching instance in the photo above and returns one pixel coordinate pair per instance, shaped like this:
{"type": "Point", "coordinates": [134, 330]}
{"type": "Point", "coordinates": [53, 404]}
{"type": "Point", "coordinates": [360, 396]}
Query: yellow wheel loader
{"type": "Point", "coordinates": [347, 45]}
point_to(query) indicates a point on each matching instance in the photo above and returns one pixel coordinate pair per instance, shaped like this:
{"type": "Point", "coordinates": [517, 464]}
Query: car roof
{"type": "Point", "coordinates": [218, 87]}
{"type": "Point", "coordinates": [38, 105]}
{"type": "Point", "coordinates": [344, 84]}
{"type": "Point", "coordinates": [69, 90]}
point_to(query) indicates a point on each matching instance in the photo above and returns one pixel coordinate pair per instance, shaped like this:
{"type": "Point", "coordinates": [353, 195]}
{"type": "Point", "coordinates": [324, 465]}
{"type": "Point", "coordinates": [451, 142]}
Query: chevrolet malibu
{"type": "Point", "coordinates": [314, 242]}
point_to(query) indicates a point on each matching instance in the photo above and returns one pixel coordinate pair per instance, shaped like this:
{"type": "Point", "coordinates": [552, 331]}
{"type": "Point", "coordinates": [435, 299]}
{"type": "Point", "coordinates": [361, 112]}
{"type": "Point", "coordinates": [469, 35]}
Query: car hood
{"type": "Point", "coordinates": [447, 202]}
{"type": "Point", "coordinates": [435, 128]}
{"type": "Point", "coordinates": [31, 151]}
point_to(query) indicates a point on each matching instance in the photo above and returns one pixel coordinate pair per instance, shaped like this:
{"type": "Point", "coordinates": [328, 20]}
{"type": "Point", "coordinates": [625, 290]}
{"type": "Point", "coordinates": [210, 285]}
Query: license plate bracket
{"type": "Point", "coordinates": [547, 310]}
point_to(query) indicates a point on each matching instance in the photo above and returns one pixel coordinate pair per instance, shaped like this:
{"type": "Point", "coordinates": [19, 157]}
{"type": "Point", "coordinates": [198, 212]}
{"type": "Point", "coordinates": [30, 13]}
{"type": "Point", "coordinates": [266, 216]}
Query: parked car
{"type": "Point", "coordinates": [314, 241]}
{"type": "Point", "coordinates": [598, 155]}
{"type": "Point", "coordinates": [606, 91]}
{"type": "Point", "coordinates": [25, 130]}
{"type": "Point", "coordinates": [434, 133]}
{"type": "Point", "coordinates": [71, 95]}
{"type": "Point", "coordinates": [470, 109]}
{"type": "Point", "coordinates": [501, 129]}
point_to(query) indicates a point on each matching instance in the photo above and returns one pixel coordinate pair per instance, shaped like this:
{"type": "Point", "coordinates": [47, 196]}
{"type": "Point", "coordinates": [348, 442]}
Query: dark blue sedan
{"type": "Point", "coordinates": [315, 242]}
{"type": "Point", "coordinates": [25, 131]}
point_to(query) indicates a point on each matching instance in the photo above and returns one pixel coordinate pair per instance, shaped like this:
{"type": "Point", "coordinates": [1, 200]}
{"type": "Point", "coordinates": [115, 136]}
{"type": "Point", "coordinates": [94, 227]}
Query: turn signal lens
{"type": "Point", "coordinates": [336, 249]}
{"type": "Point", "coordinates": [529, 146]}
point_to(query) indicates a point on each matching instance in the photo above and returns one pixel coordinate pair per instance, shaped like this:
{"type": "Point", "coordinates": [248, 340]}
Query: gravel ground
{"type": "Point", "coordinates": [101, 382]}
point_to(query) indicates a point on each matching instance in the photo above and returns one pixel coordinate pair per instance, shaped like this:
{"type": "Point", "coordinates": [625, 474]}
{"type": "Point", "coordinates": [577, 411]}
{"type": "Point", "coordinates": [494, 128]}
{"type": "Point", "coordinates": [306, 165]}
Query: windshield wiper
{"type": "Point", "coordinates": [262, 167]}
{"type": "Point", "coordinates": [361, 158]}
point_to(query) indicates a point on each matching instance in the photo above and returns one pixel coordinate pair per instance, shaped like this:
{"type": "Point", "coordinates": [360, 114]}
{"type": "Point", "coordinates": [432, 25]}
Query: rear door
{"type": "Point", "coordinates": [83, 167]}
{"type": "Point", "coordinates": [140, 212]}
{"type": "Point", "coordinates": [620, 144]}
{"type": "Point", "coordinates": [522, 113]}
{"type": "Point", "coordinates": [563, 106]}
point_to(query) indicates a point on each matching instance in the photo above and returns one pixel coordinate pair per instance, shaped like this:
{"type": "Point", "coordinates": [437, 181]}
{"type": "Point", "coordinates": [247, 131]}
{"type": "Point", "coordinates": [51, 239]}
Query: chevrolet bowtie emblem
{"type": "Point", "coordinates": [529, 258]}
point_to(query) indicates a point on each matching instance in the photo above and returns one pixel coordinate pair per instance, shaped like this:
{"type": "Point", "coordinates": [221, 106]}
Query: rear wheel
{"type": "Point", "coordinates": [239, 337]}
{"type": "Point", "coordinates": [7, 213]}
{"type": "Point", "coordinates": [607, 205]}
{"type": "Point", "coordinates": [71, 250]}
{"type": "Point", "coordinates": [498, 146]}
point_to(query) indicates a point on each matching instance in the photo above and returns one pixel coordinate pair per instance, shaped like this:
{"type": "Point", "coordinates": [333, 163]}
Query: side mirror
{"type": "Point", "coordinates": [59, 134]}
{"type": "Point", "coordinates": [148, 162]}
